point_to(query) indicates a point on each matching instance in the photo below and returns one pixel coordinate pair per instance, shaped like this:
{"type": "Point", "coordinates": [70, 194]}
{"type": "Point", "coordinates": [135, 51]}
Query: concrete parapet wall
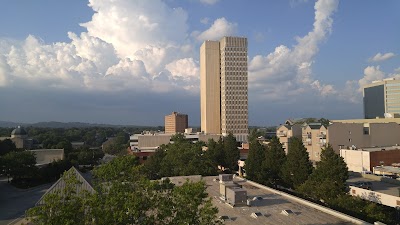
{"type": "Point", "coordinates": [311, 204]}
{"type": "Point", "coordinates": [373, 196]}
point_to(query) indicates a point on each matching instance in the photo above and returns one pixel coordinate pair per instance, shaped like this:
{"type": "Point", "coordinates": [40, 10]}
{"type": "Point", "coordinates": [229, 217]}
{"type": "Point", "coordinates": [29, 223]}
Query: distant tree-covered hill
{"type": "Point", "coordinates": [54, 124]}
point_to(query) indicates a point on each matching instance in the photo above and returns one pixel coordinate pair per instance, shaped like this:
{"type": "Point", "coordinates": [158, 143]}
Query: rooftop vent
{"type": "Point", "coordinates": [226, 177]}
{"type": "Point", "coordinates": [224, 218]}
{"type": "Point", "coordinates": [257, 198]}
{"type": "Point", "coordinates": [287, 212]}
{"type": "Point", "coordinates": [255, 215]}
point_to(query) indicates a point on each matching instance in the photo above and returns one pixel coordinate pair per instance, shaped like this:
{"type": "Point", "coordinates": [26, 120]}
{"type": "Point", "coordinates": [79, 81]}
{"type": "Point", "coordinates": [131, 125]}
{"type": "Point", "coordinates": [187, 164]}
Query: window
{"type": "Point", "coordinates": [366, 130]}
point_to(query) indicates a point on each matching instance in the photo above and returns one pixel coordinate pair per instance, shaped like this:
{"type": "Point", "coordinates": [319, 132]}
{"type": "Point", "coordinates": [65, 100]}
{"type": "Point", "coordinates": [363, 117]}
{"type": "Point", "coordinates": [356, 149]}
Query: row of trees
{"type": "Point", "coordinates": [182, 158]}
{"type": "Point", "coordinates": [326, 183]}
{"type": "Point", "coordinates": [124, 196]}
{"type": "Point", "coordinates": [20, 165]}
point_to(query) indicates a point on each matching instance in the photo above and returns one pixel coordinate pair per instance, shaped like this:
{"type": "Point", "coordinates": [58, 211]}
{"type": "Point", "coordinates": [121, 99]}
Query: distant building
{"type": "Point", "coordinates": [314, 139]}
{"type": "Point", "coordinates": [20, 138]}
{"type": "Point", "coordinates": [342, 134]}
{"type": "Point", "coordinates": [223, 87]}
{"type": "Point", "coordinates": [287, 131]}
{"type": "Point", "coordinates": [176, 123]}
{"type": "Point", "coordinates": [77, 144]}
{"type": "Point", "coordinates": [47, 156]}
{"type": "Point", "coordinates": [365, 159]}
{"type": "Point", "coordinates": [145, 145]}
{"type": "Point", "coordinates": [363, 133]}
{"type": "Point", "coordinates": [382, 97]}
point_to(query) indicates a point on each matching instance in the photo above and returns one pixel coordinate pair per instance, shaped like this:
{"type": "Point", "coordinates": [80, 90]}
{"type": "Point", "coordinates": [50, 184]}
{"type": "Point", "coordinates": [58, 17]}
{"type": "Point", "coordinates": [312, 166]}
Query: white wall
{"type": "Point", "coordinates": [356, 160]}
{"type": "Point", "coordinates": [373, 196]}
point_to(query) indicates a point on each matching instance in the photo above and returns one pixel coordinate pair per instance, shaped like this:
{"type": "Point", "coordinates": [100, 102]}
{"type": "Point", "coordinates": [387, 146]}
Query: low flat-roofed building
{"type": "Point", "coordinates": [268, 204]}
{"type": "Point", "coordinates": [376, 120]}
{"type": "Point", "coordinates": [365, 159]}
{"type": "Point", "coordinates": [47, 156]}
{"type": "Point", "coordinates": [363, 133]}
{"type": "Point", "coordinates": [387, 170]}
{"type": "Point", "coordinates": [77, 144]}
{"type": "Point", "coordinates": [151, 141]}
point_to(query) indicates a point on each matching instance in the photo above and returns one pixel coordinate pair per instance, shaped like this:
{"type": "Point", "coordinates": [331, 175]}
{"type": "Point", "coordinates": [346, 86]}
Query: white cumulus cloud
{"type": "Point", "coordinates": [382, 57]}
{"type": "Point", "coordinates": [371, 73]}
{"type": "Point", "coordinates": [353, 88]}
{"type": "Point", "coordinates": [128, 44]}
{"type": "Point", "coordinates": [221, 27]}
{"type": "Point", "coordinates": [184, 68]}
{"type": "Point", "coordinates": [289, 70]}
{"type": "Point", "coordinates": [209, 2]}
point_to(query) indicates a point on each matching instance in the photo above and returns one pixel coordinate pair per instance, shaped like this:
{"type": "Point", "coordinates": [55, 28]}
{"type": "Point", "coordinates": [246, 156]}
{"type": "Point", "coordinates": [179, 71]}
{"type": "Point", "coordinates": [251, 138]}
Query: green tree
{"type": "Point", "coordinates": [275, 158]}
{"type": "Point", "coordinates": [191, 205]}
{"type": "Point", "coordinates": [328, 180]}
{"type": "Point", "coordinates": [54, 170]}
{"type": "Point", "coordinates": [254, 134]}
{"type": "Point", "coordinates": [364, 209]}
{"type": "Point", "coordinates": [20, 165]}
{"type": "Point", "coordinates": [231, 152]}
{"type": "Point", "coordinates": [254, 162]}
{"type": "Point", "coordinates": [179, 138]}
{"type": "Point", "coordinates": [215, 152]}
{"type": "Point", "coordinates": [184, 158]}
{"type": "Point", "coordinates": [152, 166]}
{"type": "Point", "coordinates": [64, 206]}
{"type": "Point", "coordinates": [116, 146]}
{"type": "Point", "coordinates": [7, 146]}
{"type": "Point", "coordinates": [65, 144]}
{"type": "Point", "coordinates": [120, 169]}
{"type": "Point", "coordinates": [131, 200]}
{"type": "Point", "coordinates": [297, 167]}
{"type": "Point", "coordinates": [324, 122]}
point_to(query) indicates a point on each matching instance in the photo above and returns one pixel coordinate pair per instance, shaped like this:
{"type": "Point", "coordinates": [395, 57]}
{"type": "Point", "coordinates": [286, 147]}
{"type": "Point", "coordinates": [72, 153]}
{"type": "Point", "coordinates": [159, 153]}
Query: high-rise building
{"type": "Point", "coordinates": [223, 87]}
{"type": "Point", "coordinates": [176, 123]}
{"type": "Point", "coordinates": [210, 88]}
{"type": "Point", "coordinates": [382, 98]}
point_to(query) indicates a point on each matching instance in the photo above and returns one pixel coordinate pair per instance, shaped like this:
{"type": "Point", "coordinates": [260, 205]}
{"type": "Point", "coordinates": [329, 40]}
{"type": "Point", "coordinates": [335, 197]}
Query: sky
{"type": "Point", "coordinates": [131, 62]}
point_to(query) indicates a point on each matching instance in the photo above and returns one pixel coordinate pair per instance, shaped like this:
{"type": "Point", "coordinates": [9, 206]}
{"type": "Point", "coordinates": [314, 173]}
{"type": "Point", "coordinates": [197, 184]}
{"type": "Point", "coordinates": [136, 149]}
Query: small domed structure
{"type": "Point", "coordinates": [19, 132]}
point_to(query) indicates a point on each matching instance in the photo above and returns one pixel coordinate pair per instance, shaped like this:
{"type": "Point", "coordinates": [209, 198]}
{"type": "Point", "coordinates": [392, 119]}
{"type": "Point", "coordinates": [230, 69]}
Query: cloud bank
{"type": "Point", "coordinates": [288, 71]}
{"type": "Point", "coordinates": [147, 48]}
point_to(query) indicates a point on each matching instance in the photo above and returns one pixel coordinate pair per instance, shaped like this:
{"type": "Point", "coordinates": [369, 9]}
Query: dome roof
{"type": "Point", "coordinates": [19, 131]}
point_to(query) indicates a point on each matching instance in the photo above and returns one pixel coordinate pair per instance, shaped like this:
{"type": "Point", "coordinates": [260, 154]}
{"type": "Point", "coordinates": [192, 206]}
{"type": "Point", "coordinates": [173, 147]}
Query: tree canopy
{"type": "Point", "coordinates": [20, 164]}
{"type": "Point", "coordinates": [129, 199]}
{"type": "Point", "coordinates": [255, 161]}
{"type": "Point", "coordinates": [328, 180]}
{"type": "Point", "coordinates": [297, 166]}
{"type": "Point", "coordinates": [231, 152]}
{"type": "Point", "coordinates": [275, 158]}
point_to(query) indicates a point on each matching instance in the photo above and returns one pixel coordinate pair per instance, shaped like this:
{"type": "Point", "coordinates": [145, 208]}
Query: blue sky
{"type": "Point", "coordinates": [132, 62]}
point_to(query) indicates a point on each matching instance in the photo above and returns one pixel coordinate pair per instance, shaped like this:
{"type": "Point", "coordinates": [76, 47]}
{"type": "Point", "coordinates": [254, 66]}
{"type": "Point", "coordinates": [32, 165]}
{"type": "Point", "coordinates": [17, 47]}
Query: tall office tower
{"type": "Point", "coordinates": [210, 88]}
{"type": "Point", "coordinates": [223, 87]}
{"type": "Point", "coordinates": [382, 99]}
{"type": "Point", "coordinates": [176, 123]}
